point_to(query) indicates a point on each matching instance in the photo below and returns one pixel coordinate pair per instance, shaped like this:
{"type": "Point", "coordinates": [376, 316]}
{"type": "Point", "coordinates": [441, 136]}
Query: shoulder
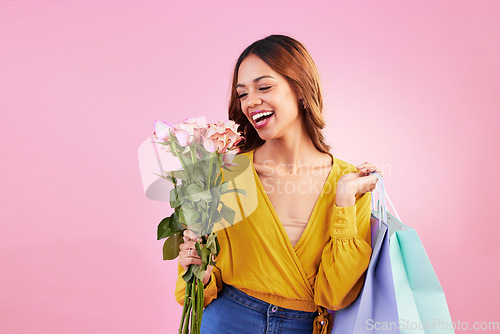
{"type": "Point", "coordinates": [342, 167]}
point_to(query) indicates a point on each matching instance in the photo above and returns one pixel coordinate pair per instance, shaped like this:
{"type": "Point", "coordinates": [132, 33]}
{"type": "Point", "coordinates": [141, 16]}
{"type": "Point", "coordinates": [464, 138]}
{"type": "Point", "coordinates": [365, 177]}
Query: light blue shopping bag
{"type": "Point", "coordinates": [422, 305]}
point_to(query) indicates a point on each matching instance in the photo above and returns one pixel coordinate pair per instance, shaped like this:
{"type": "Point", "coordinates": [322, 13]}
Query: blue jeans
{"type": "Point", "coordinates": [236, 312]}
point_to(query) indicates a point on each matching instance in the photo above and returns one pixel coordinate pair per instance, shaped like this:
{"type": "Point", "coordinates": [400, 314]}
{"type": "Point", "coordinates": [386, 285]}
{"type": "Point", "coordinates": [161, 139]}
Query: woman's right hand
{"type": "Point", "coordinates": [188, 254]}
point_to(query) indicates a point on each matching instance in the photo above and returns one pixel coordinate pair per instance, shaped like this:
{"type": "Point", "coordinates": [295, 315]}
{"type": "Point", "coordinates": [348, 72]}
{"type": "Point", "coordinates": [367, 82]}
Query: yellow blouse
{"type": "Point", "coordinates": [326, 267]}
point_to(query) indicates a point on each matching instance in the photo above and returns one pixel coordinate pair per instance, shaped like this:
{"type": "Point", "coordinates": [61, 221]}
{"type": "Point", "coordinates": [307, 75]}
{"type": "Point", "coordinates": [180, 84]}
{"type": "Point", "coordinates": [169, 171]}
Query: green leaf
{"type": "Point", "coordinates": [188, 275]}
{"type": "Point", "coordinates": [211, 238]}
{"type": "Point", "coordinates": [179, 216]}
{"type": "Point", "coordinates": [199, 181]}
{"type": "Point", "coordinates": [241, 191]}
{"type": "Point", "coordinates": [212, 243]}
{"type": "Point", "coordinates": [215, 192]}
{"type": "Point", "coordinates": [193, 189]}
{"type": "Point", "coordinates": [216, 216]}
{"type": "Point", "coordinates": [204, 217]}
{"type": "Point", "coordinates": [198, 271]}
{"type": "Point", "coordinates": [197, 228]}
{"type": "Point", "coordinates": [191, 215]}
{"type": "Point", "coordinates": [177, 221]}
{"type": "Point", "coordinates": [227, 213]}
{"type": "Point", "coordinates": [179, 174]}
{"type": "Point", "coordinates": [219, 179]}
{"type": "Point", "coordinates": [168, 178]}
{"type": "Point", "coordinates": [174, 198]}
{"type": "Point", "coordinates": [223, 187]}
{"type": "Point", "coordinates": [205, 257]}
{"type": "Point", "coordinates": [167, 227]}
{"type": "Point", "coordinates": [199, 250]}
{"type": "Point", "coordinates": [218, 246]}
{"type": "Point", "coordinates": [196, 194]}
{"type": "Point", "coordinates": [206, 196]}
{"type": "Point", "coordinates": [171, 246]}
{"type": "Point", "coordinates": [202, 170]}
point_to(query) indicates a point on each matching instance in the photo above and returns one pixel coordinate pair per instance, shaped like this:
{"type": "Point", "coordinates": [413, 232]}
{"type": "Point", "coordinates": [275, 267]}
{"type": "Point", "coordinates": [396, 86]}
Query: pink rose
{"type": "Point", "coordinates": [234, 137]}
{"type": "Point", "coordinates": [162, 130]}
{"type": "Point", "coordinates": [190, 130]}
{"type": "Point", "coordinates": [216, 137]}
{"type": "Point", "coordinates": [183, 137]}
{"type": "Point", "coordinates": [228, 158]}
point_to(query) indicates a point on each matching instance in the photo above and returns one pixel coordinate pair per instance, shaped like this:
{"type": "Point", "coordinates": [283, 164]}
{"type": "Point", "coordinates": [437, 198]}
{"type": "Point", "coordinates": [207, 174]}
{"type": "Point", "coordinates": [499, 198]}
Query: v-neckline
{"type": "Point", "coordinates": [275, 214]}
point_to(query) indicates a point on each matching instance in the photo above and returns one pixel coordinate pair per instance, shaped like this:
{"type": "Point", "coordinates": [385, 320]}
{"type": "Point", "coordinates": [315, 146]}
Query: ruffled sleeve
{"type": "Point", "coordinates": [346, 256]}
{"type": "Point", "coordinates": [210, 291]}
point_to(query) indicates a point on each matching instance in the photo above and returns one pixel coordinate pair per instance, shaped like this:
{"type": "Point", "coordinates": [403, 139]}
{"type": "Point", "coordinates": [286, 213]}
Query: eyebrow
{"type": "Point", "coordinates": [255, 80]}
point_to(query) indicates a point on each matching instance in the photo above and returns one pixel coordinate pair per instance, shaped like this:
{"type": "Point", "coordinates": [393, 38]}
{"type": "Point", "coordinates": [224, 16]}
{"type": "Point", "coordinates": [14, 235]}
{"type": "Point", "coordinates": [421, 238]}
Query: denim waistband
{"type": "Point", "coordinates": [261, 306]}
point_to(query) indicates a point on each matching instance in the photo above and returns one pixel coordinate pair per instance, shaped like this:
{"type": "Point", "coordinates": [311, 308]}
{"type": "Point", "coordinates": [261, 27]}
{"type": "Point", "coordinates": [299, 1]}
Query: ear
{"type": "Point", "coordinates": [302, 103]}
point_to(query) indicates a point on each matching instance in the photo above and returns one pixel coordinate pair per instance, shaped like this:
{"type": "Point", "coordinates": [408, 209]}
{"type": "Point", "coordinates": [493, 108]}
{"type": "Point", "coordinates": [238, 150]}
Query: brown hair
{"type": "Point", "coordinates": [290, 58]}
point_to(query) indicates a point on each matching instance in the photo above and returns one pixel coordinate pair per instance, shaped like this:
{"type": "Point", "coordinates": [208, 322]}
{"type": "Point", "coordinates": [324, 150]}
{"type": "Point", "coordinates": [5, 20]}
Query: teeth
{"type": "Point", "coordinates": [256, 116]}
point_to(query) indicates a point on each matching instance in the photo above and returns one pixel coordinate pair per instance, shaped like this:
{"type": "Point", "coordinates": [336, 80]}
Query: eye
{"type": "Point", "coordinates": [242, 95]}
{"type": "Point", "coordinates": [265, 88]}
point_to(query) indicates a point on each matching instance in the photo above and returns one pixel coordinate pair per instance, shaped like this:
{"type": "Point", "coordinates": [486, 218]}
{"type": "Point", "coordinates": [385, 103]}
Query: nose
{"type": "Point", "coordinates": [253, 100]}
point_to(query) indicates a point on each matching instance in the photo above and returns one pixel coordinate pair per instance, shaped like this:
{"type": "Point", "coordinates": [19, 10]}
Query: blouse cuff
{"type": "Point", "coordinates": [213, 287]}
{"type": "Point", "coordinates": [343, 222]}
{"type": "Point", "coordinates": [210, 291]}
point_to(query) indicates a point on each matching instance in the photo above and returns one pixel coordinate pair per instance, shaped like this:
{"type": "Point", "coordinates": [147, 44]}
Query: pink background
{"type": "Point", "coordinates": [412, 86]}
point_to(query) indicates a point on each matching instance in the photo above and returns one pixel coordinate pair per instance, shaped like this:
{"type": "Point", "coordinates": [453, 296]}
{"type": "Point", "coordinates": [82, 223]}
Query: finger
{"type": "Point", "coordinates": [191, 260]}
{"type": "Point", "coordinates": [365, 167]}
{"type": "Point", "coordinates": [195, 261]}
{"type": "Point", "coordinates": [185, 235]}
{"type": "Point", "coordinates": [191, 253]}
{"type": "Point", "coordinates": [191, 235]}
{"type": "Point", "coordinates": [187, 245]}
{"type": "Point", "coordinates": [369, 169]}
{"type": "Point", "coordinates": [185, 263]}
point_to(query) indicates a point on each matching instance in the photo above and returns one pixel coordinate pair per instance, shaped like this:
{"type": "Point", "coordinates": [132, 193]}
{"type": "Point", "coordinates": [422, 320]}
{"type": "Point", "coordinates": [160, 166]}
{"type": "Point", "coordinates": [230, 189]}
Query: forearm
{"type": "Point", "coordinates": [344, 199]}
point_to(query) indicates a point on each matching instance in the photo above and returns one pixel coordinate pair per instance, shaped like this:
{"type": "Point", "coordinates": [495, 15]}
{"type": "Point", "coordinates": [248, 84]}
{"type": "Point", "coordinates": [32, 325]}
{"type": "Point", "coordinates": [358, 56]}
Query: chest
{"type": "Point", "coordinates": [293, 195]}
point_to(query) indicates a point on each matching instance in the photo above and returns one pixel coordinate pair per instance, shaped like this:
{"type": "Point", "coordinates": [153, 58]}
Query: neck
{"type": "Point", "coordinates": [293, 148]}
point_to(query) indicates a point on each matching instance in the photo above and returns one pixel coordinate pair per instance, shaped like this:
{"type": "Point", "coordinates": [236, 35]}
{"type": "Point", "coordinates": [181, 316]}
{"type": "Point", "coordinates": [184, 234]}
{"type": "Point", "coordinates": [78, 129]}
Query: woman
{"type": "Point", "coordinates": [306, 247]}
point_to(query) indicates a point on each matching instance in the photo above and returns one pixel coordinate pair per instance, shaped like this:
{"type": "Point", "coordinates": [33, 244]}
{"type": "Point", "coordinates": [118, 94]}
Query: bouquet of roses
{"type": "Point", "coordinates": [202, 150]}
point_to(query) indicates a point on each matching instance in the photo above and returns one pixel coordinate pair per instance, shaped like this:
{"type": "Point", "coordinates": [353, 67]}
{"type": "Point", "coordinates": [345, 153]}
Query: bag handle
{"type": "Point", "coordinates": [382, 195]}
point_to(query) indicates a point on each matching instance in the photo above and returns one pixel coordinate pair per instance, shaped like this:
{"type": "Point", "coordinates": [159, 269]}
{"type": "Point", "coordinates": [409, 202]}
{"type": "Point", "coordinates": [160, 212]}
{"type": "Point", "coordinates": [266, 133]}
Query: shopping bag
{"type": "Point", "coordinates": [375, 309]}
{"type": "Point", "coordinates": [419, 306]}
{"type": "Point", "coordinates": [421, 302]}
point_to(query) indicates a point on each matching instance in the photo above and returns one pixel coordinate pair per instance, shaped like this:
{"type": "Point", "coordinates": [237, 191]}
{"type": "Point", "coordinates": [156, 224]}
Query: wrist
{"type": "Point", "coordinates": [343, 199]}
{"type": "Point", "coordinates": [206, 281]}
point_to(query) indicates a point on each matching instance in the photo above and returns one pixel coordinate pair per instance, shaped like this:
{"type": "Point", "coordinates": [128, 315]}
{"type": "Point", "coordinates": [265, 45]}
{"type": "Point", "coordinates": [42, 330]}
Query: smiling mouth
{"type": "Point", "coordinates": [260, 117]}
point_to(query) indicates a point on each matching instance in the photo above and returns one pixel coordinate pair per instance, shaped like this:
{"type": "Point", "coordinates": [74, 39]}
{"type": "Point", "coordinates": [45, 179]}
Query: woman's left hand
{"type": "Point", "coordinates": [352, 184]}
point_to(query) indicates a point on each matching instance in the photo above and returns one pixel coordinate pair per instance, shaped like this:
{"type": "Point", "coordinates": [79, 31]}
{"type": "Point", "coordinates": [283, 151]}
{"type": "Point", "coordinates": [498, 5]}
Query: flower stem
{"type": "Point", "coordinates": [185, 315]}
{"type": "Point", "coordinates": [173, 148]}
{"type": "Point", "coordinates": [200, 303]}
{"type": "Point", "coordinates": [210, 166]}
{"type": "Point", "coordinates": [184, 308]}
{"type": "Point", "coordinates": [193, 309]}
{"type": "Point", "coordinates": [193, 154]}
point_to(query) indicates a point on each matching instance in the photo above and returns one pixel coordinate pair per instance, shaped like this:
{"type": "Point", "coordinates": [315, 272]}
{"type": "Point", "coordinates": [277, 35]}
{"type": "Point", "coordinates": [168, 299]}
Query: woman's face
{"type": "Point", "coordinates": [262, 91]}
